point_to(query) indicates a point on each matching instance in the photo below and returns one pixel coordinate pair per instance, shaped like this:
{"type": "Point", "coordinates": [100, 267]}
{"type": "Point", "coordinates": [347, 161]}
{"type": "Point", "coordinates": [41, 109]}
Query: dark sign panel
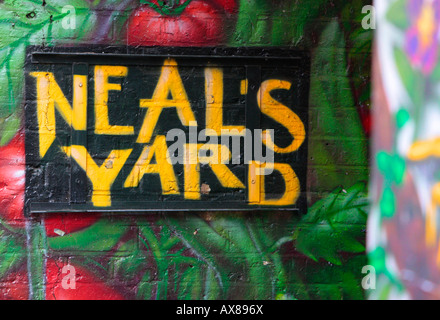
{"type": "Point", "coordinates": [190, 129]}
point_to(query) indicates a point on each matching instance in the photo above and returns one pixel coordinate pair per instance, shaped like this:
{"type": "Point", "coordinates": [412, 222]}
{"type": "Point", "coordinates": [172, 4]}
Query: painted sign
{"type": "Point", "coordinates": [155, 130]}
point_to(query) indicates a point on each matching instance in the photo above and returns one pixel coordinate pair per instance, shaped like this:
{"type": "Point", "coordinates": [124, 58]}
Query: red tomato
{"type": "Point", "coordinates": [86, 285]}
{"type": "Point", "coordinates": [15, 286]}
{"type": "Point", "coordinates": [200, 24]}
{"type": "Point", "coordinates": [12, 181]}
{"type": "Point", "coordinates": [12, 188]}
{"type": "Point", "coordinates": [58, 224]}
{"type": "Point", "coordinates": [229, 6]}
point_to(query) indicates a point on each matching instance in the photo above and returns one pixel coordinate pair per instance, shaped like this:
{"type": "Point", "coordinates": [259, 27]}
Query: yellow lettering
{"type": "Point", "coordinates": [257, 192]}
{"type": "Point", "coordinates": [219, 156]}
{"type": "Point", "coordinates": [49, 97]}
{"type": "Point", "coordinates": [244, 84]}
{"type": "Point", "coordinates": [214, 103]}
{"type": "Point", "coordinates": [281, 114]}
{"type": "Point", "coordinates": [102, 87]}
{"type": "Point", "coordinates": [169, 82]}
{"type": "Point", "coordinates": [163, 167]}
{"type": "Point", "coordinates": [101, 177]}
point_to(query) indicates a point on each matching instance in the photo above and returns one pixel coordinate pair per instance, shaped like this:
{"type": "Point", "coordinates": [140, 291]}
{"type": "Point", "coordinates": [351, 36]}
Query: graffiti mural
{"type": "Point", "coordinates": [316, 252]}
{"type": "Point", "coordinates": [403, 241]}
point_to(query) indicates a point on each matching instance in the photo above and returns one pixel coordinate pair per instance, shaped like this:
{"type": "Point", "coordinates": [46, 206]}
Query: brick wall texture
{"type": "Point", "coordinates": [315, 253]}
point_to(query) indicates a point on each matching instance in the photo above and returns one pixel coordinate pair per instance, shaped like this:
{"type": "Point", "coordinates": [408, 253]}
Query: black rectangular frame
{"type": "Point", "coordinates": [249, 58]}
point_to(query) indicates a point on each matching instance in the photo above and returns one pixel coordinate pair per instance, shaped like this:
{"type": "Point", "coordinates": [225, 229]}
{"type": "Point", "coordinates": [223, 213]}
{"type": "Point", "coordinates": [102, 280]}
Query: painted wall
{"type": "Point", "coordinates": [317, 254]}
{"type": "Point", "coordinates": [403, 227]}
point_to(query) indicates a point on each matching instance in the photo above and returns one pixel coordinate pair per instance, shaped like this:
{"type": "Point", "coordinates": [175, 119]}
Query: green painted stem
{"type": "Point", "coordinates": [36, 259]}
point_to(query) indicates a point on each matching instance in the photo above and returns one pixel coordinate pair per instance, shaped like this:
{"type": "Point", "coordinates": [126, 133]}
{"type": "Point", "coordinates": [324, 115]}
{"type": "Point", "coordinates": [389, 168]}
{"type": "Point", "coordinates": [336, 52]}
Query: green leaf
{"type": "Point", "coordinates": [203, 256]}
{"type": "Point", "coordinates": [191, 285]}
{"type": "Point", "coordinates": [12, 253]}
{"type": "Point", "coordinates": [128, 266]}
{"type": "Point", "coordinates": [252, 26]}
{"type": "Point", "coordinates": [334, 225]}
{"type": "Point", "coordinates": [101, 236]}
{"type": "Point", "coordinates": [160, 252]}
{"type": "Point", "coordinates": [275, 23]}
{"type": "Point", "coordinates": [228, 242]}
{"type": "Point", "coordinates": [336, 282]}
{"type": "Point", "coordinates": [145, 288]}
{"type": "Point", "coordinates": [9, 127]}
{"type": "Point", "coordinates": [24, 23]}
{"type": "Point", "coordinates": [245, 240]}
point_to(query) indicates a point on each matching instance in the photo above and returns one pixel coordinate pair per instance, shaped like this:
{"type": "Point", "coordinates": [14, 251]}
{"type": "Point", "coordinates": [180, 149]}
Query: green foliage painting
{"type": "Point", "coordinates": [316, 254]}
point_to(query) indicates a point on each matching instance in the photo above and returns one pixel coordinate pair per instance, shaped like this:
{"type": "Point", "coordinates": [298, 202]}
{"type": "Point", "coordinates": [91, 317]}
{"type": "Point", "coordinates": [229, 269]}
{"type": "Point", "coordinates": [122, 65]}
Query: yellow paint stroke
{"type": "Point", "coordinates": [426, 25]}
{"type": "Point", "coordinates": [217, 160]}
{"type": "Point", "coordinates": [101, 177]}
{"type": "Point", "coordinates": [431, 215]}
{"type": "Point", "coordinates": [170, 83]}
{"type": "Point", "coordinates": [421, 150]}
{"type": "Point", "coordinates": [280, 113]}
{"type": "Point", "coordinates": [102, 88]}
{"type": "Point", "coordinates": [162, 167]}
{"type": "Point", "coordinates": [214, 103]}
{"type": "Point", "coordinates": [244, 84]}
{"type": "Point", "coordinates": [257, 192]}
{"type": "Point", "coordinates": [51, 97]}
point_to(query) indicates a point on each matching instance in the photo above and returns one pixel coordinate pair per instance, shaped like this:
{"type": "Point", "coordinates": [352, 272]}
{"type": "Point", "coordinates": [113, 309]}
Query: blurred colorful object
{"type": "Point", "coordinates": [421, 39]}
{"type": "Point", "coordinates": [403, 232]}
